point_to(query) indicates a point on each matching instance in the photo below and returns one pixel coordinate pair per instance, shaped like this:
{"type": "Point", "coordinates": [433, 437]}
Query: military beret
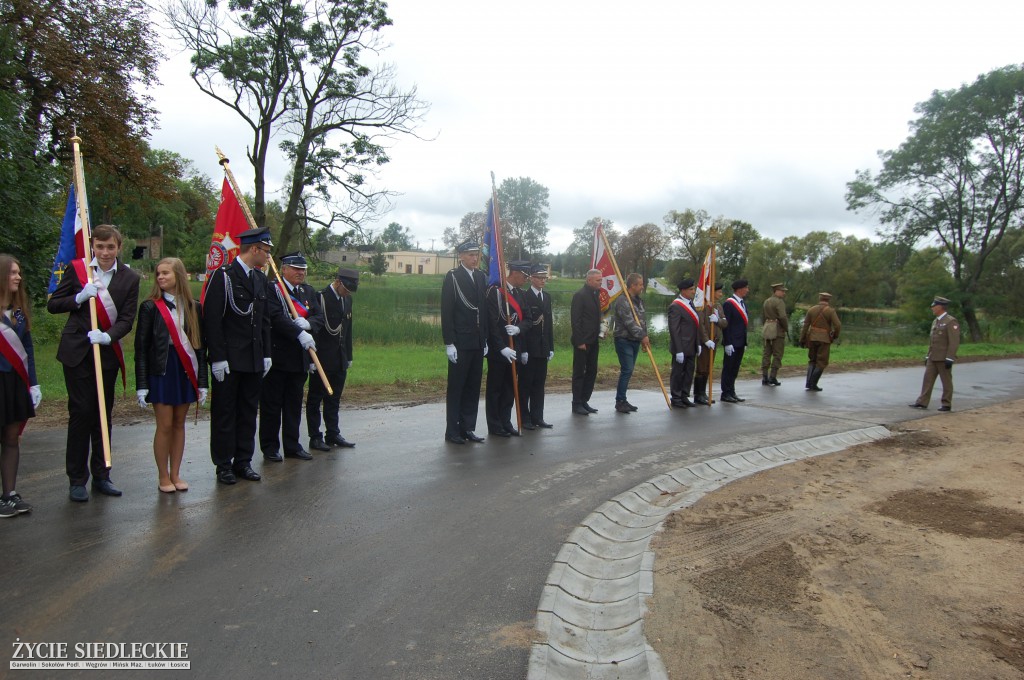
{"type": "Point", "coordinates": [719, 286]}
{"type": "Point", "coordinates": [685, 283]}
{"type": "Point", "coordinates": [739, 283]}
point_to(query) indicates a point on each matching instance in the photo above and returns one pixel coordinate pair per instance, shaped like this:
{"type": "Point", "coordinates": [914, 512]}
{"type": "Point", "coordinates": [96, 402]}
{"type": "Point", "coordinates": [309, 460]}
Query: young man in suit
{"type": "Point", "coordinates": [116, 289]}
{"type": "Point", "coordinates": [539, 350]}
{"type": "Point", "coordinates": [334, 345]}
{"type": "Point", "coordinates": [239, 308]}
{"type": "Point", "coordinates": [464, 329]}
{"type": "Point", "coordinates": [734, 338]}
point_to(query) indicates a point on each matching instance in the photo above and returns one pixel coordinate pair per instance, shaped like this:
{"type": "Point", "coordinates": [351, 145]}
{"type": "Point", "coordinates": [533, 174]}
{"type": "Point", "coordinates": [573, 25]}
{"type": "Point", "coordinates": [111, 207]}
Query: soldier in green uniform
{"type": "Point", "coordinates": [942, 349]}
{"type": "Point", "coordinates": [712, 320]}
{"type": "Point", "coordinates": [821, 327]}
{"type": "Point", "coordinates": [773, 334]}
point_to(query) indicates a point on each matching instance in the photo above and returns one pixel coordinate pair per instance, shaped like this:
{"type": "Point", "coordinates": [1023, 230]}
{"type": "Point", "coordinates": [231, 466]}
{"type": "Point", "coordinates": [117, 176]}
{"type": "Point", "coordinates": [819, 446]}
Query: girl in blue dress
{"type": "Point", "coordinates": [170, 366]}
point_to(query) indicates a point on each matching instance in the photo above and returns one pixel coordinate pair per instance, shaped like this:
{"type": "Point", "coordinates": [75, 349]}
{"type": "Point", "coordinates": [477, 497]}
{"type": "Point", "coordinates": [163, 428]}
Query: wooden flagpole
{"type": "Point", "coordinates": [504, 292]}
{"type": "Point", "coordinates": [83, 215]}
{"type": "Point", "coordinates": [223, 160]}
{"type": "Point", "coordinates": [636, 318]}
{"type": "Point", "coordinates": [713, 276]}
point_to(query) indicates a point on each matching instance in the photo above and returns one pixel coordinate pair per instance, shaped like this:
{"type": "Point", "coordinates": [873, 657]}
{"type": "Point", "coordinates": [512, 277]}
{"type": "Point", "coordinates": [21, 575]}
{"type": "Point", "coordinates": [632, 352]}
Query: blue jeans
{"type": "Point", "coordinates": [628, 350]}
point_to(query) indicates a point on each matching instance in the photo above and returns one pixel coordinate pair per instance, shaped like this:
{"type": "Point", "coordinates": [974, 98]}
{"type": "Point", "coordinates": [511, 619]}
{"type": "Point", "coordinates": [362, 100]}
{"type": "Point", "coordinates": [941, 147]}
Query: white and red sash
{"type": "Point", "coordinates": [186, 354]}
{"type": "Point", "coordinates": [106, 313]}
{"type": "Point", "coordinates": [685, 304]}
{"type": "Point", "coordinates": [13, 350]}
{"type": "Point", "coordinates": [300, 307]}
{"type": "Point", "coordinates": [739, 308]}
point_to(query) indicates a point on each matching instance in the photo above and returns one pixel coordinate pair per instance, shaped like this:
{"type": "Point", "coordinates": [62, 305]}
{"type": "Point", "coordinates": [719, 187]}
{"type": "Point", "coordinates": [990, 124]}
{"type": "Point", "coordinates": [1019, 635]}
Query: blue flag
{"type": "Point", "coordinates": [71, 244]}
{"type": "Point", "coordinates": [490, 249]}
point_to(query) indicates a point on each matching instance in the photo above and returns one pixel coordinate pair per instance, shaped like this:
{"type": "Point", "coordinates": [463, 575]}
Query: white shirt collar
{"type": "Point", "coordinates": [468, 270]}
{"type": "Point", "coordinates": [96, 264]}
{"type": "Point", "coordinates": [168, 297]}
{"type": "Point", "coordinates": [536, 291]}
{"type": "Point", "coordinates": [245, 268]}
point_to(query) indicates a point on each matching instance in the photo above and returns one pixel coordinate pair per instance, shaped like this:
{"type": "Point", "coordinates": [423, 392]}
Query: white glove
{"type": "Point", "coordinates": [729, 349]}
{"type": "Point", "coordinates": [710, 344]}
{"type": "Point", "coordinates": [512, 330]}
{"type": "Point", "coordinates": [98, 337]}
{"type": "Point", "coordinates": [713, 318]}
{"type": "Point", "coordinates": [699, 348]}
{"type": "Point", "coordinates": [453, 354]}
{"type": "Point", "coordinates": [485, 348]}
{"type": "Point", "coordinates": [604, 328]}
{"type": "Point", "coordinates": [89, 290]}
{"type": "Point", "coordinates": [551, 355]}
{"type": "Point", "coordinates": [220, 369]}
{"type": "Point", "coordinates": [301, 323]}
{"type": "Point", "coordinates": [36, 394]}
{"type": "Point", "coordinates": [141, 394]}
{"type": "Point", "coordinates": [202, 395]}
{"type": "Point", "coordinates": [311, 368]}
{"type": "Point", "coordinates": [267, 363]}
{"type": "Point", "coordinates": [307, 341]}
{"type": "Point", "coordinates": [509, 354]}
{"type": "Point", "coordinates": [348, 364]}
{"type": "Point", "coordinates": [524, 357]}
{"type": "Point", "coordinates": [680, 358]}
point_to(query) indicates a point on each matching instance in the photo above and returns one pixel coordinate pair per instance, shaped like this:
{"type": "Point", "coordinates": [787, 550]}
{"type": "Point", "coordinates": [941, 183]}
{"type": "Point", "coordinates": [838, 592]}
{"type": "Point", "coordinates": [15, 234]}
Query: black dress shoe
{"type": "Point", "coordinates": [454, 439]}
{"type": "Point", "coordinates": [498, 433]}
{"type": "Point", "coordinates": [226, 477]}
{"type": "Point", "coordinates": [678, 404]}
{"type": "Point", "coordinates": [512, 432]}
{"type": "Point", "coordinates": [590, 408]}
{"type": "Point", "coordinates": [338, 440]}
{"type": "Point", "coordinates": [471, 437]}
{"type": "Point", "coordinates": [529, 426]}
{"type": "Point", "coordinates": [774, 382]}
{"type": "Point", "coordinates": [104, 487]}
{"type": "Point", "coordinates": [701, 400]}
{"type": "Point", "coordinates": [738, 398]}
{"type": "Point", "coordinates": [730, 399]}
{"type": "Point", "coordinates": [319, 444]}
{"type": "Point", "coordinates": [546, 426]}
{"type": "Point", "coordinates": [273, 456]}
{"type": "Point", "coordinates": [945, 408]}
{"type": "Point", "coordinates": [687, 403]}
{"type": "Point", "coordinates": [580, 411]}
{"type": "Point", "coordinates": [301, 454]}
{"type": "Point", "coordinates": [248, 473]}
{"type": "Point", "coordinates": [920, 406]}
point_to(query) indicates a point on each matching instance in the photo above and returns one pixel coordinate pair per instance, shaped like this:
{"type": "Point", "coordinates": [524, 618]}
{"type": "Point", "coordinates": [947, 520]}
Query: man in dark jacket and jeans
{"type": "Point", "coordinates": [630, 336]}
{"type": "Point", "coordinates": [585, 317]}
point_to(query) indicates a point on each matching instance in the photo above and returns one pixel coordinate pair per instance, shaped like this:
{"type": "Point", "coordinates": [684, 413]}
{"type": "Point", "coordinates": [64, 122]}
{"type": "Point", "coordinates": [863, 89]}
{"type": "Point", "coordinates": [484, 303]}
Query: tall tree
{"type": "Point", "coordinates": [524, 217]}
{"type": "Point", "coordinates": [395, 237]}
{"type": "Point", "coordinates": [294, 69]}
{"type": "Point", "coordinates": [85, 67]}
{"type": "Point", "coordinates": [691, 229]}
{"type": "Point", "coordinates": [470, 227]}
{"type": "Point", "coordinates": [957, 180]}
{"type": "Point", "coordinates": [577, 256]}
{"type": "Point", "coordinates": [640, 247]}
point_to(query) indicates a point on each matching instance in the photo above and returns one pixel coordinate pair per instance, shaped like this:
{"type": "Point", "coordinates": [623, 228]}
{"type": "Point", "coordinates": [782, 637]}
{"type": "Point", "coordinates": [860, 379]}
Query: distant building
{"type": "Point", "coordinates": [398, 261]}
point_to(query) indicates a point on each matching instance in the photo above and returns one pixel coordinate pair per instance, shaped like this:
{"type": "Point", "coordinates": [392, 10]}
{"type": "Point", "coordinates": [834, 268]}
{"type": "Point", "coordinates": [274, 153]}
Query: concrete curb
{"type": "Point", "coordinates": [591, 611]}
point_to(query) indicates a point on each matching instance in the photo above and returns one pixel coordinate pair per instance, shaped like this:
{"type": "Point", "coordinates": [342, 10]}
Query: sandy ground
{"type": "Point", "coordinates": [903, 558]}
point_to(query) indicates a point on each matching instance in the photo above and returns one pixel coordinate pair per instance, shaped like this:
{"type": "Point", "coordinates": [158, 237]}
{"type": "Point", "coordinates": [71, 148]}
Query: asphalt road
{"type": "Point", "coordinates": [405, 557]}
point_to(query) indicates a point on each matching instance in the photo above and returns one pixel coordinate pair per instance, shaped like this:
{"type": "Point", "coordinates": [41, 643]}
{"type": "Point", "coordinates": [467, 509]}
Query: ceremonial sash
{"type": "Point", "coordinates": [739, 308]}
{"type": "Point", "coordinates": [14, 351]}
{"type": "Point", "coordinates": [512, 302]}
{"type": "Point", "coordinates": [182, 346]}
{"type": "Point", "coordinates": [106, 314]}
{"type": "Point", "coordinates": [689, 310]}
{"type": "Point", "coordinates": [300, 308]}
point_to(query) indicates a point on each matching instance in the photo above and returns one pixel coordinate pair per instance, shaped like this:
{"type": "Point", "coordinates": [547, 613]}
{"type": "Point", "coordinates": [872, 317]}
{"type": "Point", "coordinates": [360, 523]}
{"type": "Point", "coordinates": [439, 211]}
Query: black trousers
{"type": "Point", "coordinates": [500, 398]}
{"type": "Point", "coordinates": [532, 378]}
{"type": "Point", "coordinates": [731, 369]}
{"type": "Point", "coordinates": [331, 403]}
{"type": "Point", "coordinates": [84, 420]}
{"type": "Point", "coordinates": [233, 419]}
{"type": "Point", "coordinates": [681, 378]}
{"type": "Point", "coordinates": [584, 373]}
{"type": "Point", "coordinates": [463, 395]}
{"type": "Point", "coordinates": [281, 410]}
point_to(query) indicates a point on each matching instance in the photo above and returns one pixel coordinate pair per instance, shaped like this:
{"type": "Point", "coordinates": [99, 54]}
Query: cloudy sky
{"type": "Point", "coordinates": [751, 110]}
